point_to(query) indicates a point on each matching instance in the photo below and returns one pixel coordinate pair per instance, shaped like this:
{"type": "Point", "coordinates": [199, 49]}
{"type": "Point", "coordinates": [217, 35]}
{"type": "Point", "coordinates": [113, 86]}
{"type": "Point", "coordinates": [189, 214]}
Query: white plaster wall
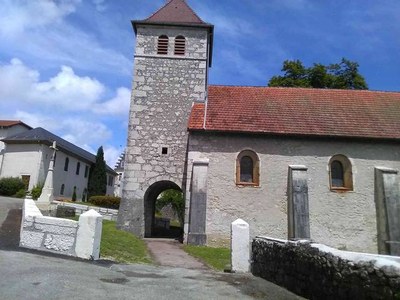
{"type": "Point", "coordinates": [6, 132]}
{"type": "Point", "coordinates": [34, 159]}
{"type": "Point", "coordinates": [341, 220]}
{"type": "Point", "coordinates": [22, 159]}
{"type": "Point", "coordinates": [9, 131]}
{"type": "Point", "coordinates": [69, 178]}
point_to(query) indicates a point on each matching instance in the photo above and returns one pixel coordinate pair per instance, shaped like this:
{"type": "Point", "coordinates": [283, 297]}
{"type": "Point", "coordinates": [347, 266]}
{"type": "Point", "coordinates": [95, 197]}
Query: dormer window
{"type": "Point", "coordinates": [180, 45]}
{"type": "Point", "coordinates": [162, 46]}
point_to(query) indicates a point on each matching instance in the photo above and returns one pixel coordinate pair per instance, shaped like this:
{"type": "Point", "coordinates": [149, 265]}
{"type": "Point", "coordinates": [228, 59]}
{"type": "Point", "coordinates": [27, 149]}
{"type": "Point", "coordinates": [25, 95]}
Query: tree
{"type": "Point", "coordinates": [175, 198]}
{"type": "Point", "coordinates": [97, 184]}
{"type": "Point", "coordinates": [343, 75]}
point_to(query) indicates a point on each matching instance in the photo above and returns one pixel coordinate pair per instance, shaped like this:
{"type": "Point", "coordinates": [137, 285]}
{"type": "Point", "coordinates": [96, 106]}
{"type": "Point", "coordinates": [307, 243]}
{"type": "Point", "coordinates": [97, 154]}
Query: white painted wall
{"type": "Point", "coordinates": [34, 159]}
{"type": "Point", "coordinates": [6, 132]}
{"type": "Point", "coordinates": [23, 159]}
{"type": "Point", "coordinates": [341, 220]}
{"type": "Point", "coordinates": [69, 178]}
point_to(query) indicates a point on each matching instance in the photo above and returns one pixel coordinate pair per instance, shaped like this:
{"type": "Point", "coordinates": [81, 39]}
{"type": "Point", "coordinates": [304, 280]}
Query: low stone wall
{"type": "Point", "coordinates": [316, 271]}
{"type": "Point", "coordinates": [62, 236]}
{"type": "Point", "coordinates": [107, 213]}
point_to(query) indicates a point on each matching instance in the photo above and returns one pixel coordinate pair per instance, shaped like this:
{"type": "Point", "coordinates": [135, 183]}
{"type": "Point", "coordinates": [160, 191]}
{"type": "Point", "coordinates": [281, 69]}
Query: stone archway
{"type": "Point", "coordinates": [150, 198]}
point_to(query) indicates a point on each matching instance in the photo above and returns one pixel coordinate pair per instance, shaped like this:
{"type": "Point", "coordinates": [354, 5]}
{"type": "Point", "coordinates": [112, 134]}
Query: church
{"type": "Point", "coordinates": [231, 149]}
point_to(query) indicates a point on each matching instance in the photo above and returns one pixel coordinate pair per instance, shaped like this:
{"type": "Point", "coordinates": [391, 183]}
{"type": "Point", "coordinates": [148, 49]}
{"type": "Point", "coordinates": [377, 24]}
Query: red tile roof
{"type": "Point", "coordinates": [10, 123]}
{"type": "Point", "coordinates": [299, 111]}
{"type": "Point", "coordinates": [175, 11]}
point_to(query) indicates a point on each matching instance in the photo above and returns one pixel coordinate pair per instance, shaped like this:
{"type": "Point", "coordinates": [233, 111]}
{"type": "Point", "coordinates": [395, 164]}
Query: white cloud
{"type": "Point", "coordinates": [100, 5]}
{"type": "Point", "coordinates": [48, 37]}
{"type": "Point", "coordinates": [119, 105]}
{"type": "Point", "coordinates": [66, 90]}
{"type": "Point", "coordinates": [111, 154]}
{"type": "Point", "coordinates": [18, 16]}
{"type": "Point", "coordinates": [88, 135]}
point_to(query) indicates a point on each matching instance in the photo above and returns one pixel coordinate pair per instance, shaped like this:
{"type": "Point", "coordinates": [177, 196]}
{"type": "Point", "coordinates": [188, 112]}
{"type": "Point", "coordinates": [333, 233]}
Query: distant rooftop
{"type": "Point", "coordinates": [10, 123]}
{"type": "Point", "coordinates": [40, 135]}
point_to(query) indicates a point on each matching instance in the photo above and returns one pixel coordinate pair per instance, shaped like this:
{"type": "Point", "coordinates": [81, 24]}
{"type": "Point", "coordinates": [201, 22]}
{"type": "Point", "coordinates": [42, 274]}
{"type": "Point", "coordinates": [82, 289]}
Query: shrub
{"type": "Point", "coordinates": [9, 186]}
{"type": "Point", "coordinates": [37, 191]}
{"type": "Point", "coordinates": [105, 201]}
{"type": "Point", "coordinates": [21, 193]}
{"type": "Point", "coordinates": [74, 195]}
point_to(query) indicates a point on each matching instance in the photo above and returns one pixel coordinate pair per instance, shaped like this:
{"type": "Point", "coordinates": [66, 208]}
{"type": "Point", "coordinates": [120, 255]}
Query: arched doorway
{"type": "Point", "coordinates": [156, 226]}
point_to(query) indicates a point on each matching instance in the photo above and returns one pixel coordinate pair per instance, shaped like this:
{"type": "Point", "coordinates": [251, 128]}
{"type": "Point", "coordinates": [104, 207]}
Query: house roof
{"type": "Point", "coordinates": [175, 11]}
{"type": "Point", "coordinates": [299, 112]}
{"type": "Point", "coordinates": [10, 123]}
{"type": "Point", "coordinates": [40, 135]}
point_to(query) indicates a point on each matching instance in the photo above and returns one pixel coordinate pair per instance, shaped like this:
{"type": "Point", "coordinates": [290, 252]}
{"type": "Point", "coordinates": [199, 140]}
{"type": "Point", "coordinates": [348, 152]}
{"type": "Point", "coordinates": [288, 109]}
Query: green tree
{"type": "Point", "coordinates": [175, 198]}
{"type": "Point", "coordinates": [97, 184]}
{"type": "Point", "coordinates": [343, 75]}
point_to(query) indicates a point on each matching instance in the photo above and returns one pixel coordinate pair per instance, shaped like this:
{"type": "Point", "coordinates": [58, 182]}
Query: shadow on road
{"type": "Point", "coordinates": [10, 229]}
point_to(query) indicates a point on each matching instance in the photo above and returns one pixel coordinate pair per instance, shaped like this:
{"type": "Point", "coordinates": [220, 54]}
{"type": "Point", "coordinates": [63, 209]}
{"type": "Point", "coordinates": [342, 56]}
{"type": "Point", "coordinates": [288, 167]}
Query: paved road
{"type": "Point", "coordinates": [32, 275]}
{"type": "Point", "coordinates": [169, 252]}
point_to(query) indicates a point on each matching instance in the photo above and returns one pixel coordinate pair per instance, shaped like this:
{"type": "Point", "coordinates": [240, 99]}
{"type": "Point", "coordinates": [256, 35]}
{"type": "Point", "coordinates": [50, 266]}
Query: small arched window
{"type": "Point", "coordinates": [78, 167]}
{"type": "Point", "coordinates": [247, 168]}
{"type": "Point", "coordinates": [340, 173]}
{"type": "Point", "coordinates": [180, 45]}
{"type": "Point", "coordinates": [162, 45]}
{"type": "Point", "coordinates": [62, 189]}
{"type": "Point", "coordinates": [66, 164]}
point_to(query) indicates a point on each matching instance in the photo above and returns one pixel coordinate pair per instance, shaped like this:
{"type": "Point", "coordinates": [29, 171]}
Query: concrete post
{"type": "Point", "coordinates": [298, 209]}
{"type": "Point", "coordinates": [240, 246]}
{"type": "Point", "coordinates": [387, 202]}
{"type": "Point", "coordinates": [198, 204]}
{"type": "Point", "coordinates": [89, 235]}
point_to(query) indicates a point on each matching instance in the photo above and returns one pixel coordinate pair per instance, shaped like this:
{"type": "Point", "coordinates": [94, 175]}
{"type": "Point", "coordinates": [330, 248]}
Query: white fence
{"type": "Point", "coordinates": [73, 238]}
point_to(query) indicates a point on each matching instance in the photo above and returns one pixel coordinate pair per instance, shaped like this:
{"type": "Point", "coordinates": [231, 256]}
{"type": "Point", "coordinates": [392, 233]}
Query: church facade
{"type": "Point", "coordinates": [229, 148]}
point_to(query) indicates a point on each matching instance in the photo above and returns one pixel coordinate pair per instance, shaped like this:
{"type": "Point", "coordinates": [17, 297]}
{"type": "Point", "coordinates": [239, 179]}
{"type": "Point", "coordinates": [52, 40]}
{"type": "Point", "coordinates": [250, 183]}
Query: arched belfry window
{"type": "Point", "coordinates": [340, 173]}
{"type": "Point", "coordinates": [162, 45]}
{"type": "Point", "coordinates": [180, 45]}
{"type": "Point", "coordinates": [247, 168]}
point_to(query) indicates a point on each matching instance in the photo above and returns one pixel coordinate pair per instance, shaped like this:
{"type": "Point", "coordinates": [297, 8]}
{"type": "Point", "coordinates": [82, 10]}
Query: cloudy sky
{"type": "Point", "coordinates": [66, 65]}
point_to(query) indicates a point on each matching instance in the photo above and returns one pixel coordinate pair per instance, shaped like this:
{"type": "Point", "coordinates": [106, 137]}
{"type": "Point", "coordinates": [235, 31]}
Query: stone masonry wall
{"type": "Point", "coordinates": [342, 220]}
{"type": "Point", "coordinates": [318, 272]}
{"type": "Point", "coordinates": [164, 89]}
{"type": "Point", "coordinates": [61, 236]}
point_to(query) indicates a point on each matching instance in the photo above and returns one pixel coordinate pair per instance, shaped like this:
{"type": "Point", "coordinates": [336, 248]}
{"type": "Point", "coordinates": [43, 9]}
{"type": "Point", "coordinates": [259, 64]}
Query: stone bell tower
{"type": "Point", "coordinates": [172, 57]}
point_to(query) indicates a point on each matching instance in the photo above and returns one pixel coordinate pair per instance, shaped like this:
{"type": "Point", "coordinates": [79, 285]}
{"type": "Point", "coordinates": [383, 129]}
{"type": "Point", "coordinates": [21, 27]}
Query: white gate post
{"type": "Point", "coordinates": [240, 246]}
{"type": "Point", "coordinates": [88, 237]}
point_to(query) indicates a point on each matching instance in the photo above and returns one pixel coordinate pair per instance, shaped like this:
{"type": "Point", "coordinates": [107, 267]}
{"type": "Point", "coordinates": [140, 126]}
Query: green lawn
{"type": "Point", "coordinates": [122, 246]}
{"type": "Point", "coordinates": [217, 258]}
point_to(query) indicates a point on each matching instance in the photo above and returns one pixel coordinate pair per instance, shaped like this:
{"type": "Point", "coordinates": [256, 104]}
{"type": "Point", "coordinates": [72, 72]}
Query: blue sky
{"type": "Point", "coordinates": [66, 65]}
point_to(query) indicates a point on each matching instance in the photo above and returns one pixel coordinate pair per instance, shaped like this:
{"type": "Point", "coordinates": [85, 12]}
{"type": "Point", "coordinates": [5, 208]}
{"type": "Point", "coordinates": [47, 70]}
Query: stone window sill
{"type": "Point", "coordinates": [341, 189]}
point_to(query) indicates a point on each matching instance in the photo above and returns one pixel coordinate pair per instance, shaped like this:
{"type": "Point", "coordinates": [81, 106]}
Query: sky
{"type": "Point", "coordinates": [66, 65]}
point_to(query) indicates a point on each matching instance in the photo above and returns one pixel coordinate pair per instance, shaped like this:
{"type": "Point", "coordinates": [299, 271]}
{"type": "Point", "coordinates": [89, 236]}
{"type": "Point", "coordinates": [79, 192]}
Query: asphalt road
{"type": "Point", "coordinates": [32, 275]}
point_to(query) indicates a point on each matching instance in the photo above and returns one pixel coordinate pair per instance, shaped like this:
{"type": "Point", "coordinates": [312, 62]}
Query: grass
{"type": "Point", "coordinates": [217, 258]}
{"type": "Point", "coordinates": [122, 246]}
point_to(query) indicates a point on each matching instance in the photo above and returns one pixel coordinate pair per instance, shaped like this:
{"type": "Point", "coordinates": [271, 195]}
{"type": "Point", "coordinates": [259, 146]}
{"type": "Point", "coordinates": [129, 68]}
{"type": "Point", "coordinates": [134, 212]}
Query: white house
{"type": "Point", "coordinates": [27, 155]}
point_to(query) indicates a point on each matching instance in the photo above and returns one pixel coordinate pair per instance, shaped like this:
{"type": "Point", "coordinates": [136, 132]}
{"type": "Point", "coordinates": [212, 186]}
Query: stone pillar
{"type": "Point", "coordinates": [46, 197]}
{"type": "Point", "coordinates": [240, 246]}
{"type": "Point", "coordinates": [198, 204]}
{"type": "Point", "coordinates": [298, 209]}
{"type": "Point", "coordinates": [89, 235]}
{"type": "Point", "coordinates": [387, 202]}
